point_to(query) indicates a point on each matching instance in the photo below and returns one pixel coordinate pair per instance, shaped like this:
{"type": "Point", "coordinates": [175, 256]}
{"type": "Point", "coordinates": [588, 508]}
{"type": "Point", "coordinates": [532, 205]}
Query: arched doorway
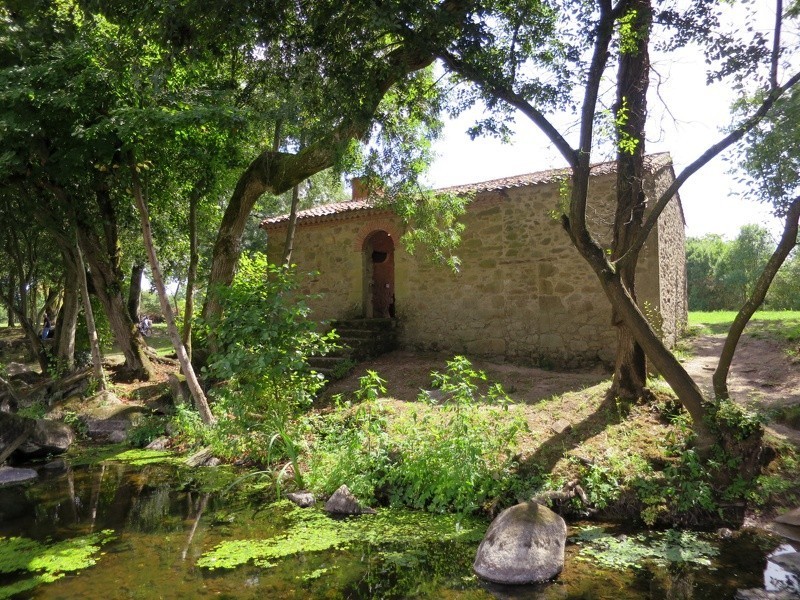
{"type": "Point", "coordinates": [378, 255]}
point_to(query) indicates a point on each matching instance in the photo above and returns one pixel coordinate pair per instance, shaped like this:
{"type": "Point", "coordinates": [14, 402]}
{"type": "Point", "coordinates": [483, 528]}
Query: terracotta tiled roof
{"type": "Point", "coordinates": [326, 212]}
{"type": "Point", "coordinates": [354, 208]}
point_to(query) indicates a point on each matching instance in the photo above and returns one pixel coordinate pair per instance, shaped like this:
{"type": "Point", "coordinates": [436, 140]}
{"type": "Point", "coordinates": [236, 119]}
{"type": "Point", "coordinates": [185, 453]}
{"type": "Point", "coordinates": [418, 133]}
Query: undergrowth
{"type": "Point", "coordinates": [452, 452]}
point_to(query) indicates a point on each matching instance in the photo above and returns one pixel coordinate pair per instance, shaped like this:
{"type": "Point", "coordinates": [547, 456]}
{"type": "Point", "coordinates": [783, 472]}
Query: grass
{"type": "Point", "coordinates": [784, 324]}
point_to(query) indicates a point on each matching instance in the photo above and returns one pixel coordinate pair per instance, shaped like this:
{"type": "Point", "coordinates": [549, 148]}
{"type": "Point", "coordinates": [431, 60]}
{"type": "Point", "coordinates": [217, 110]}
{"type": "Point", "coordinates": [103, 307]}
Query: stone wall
{"type": "Point", "coordinates": [523, 292]}
{"type": "Point", "coordinates": [671, 236]}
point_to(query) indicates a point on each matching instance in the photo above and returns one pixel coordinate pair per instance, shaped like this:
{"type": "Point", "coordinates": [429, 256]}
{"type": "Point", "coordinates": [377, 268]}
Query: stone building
{"type": "Point", "coordinates": [523, 292]}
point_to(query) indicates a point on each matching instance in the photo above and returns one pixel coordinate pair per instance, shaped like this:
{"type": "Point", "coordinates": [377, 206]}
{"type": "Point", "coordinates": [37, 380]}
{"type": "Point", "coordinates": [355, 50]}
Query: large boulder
{"type": "Point", "coordinates": [790, 518]}
{"type": "Point", "coordinates": [343, 502]}
{"type": "Point", "coordinates": [524, 544]}
{"type": "Point", "coordinates": [48, 437]}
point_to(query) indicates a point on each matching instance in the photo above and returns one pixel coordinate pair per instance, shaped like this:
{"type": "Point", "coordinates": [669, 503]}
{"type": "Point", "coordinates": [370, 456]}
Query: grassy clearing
{"type": "Point", "coordinates": [783, 324]}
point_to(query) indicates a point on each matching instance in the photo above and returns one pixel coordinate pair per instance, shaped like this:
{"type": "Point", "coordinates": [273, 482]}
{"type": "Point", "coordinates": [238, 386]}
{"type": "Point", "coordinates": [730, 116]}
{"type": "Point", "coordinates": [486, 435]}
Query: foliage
{"type": "Point", "coordinates": [47, 562]}
{"type": "Point", "coordinates": [264, 339]}
{"type": "Point", "coordinates": [146, 430]}
{"type": "Point", "coordinates": [342, 369]}
{"type": "Point", "coordinates": [141, 457]}
{"type": "Point", "coordinates": [734, 419]}
{"type": "Point", "coordinates": [311, 530]}
{"type": "Point", "coordinates": [693, 486]}
{"type": "Point", "coordinates": [720, 273]}
{"type": "Point", "coordinates": [35, 410]}
{"type": "Point", "coordinates": [632, 552]}
{"type": "Point", "coordinates": [448, 455]}
{"type": "Point", "coordinates": [351, 445]}
{"type": "Point", "coordinates": [78, 424]}
{"type": "Point", "coordinates": [770, 161]}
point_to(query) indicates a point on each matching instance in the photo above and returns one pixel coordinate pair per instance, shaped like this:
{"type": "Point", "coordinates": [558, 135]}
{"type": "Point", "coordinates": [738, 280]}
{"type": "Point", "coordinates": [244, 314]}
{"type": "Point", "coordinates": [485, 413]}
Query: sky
{"type": "Point", "coordinates": [712, 200]}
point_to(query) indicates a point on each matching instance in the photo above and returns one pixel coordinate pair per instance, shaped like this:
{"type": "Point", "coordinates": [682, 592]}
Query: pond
{"type": "Point", "coordinates": [136, 526]}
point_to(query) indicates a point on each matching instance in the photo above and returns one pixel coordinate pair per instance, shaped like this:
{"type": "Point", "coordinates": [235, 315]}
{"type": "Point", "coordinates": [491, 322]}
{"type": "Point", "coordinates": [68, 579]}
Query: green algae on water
{"type": "Point", "coordinates": [141, 457]}
{"type": "Point", "coordinates": [631, 552]}
{"type": "Point", "coordinates": [47, 562]}
{"type": "Point", "coordinates": [121, 453]}
{"type": "Point", "coordinates": [312, 530]}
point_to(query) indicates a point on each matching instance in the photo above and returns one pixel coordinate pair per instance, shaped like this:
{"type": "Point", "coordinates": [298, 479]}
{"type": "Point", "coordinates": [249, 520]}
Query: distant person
{"type": "Point", "coordinates": [145, 325]}
{"type": "Point", "coordinates": [46, 328]}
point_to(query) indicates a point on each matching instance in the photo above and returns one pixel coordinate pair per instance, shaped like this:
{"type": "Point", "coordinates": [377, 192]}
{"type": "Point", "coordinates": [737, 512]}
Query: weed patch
{"type": "Point", "coordinates": [450, 453]}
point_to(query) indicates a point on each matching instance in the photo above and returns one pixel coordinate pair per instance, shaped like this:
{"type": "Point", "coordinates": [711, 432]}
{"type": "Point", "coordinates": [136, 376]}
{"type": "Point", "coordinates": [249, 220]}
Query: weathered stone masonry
{"type": "Point", "coordinates": [523, 292]}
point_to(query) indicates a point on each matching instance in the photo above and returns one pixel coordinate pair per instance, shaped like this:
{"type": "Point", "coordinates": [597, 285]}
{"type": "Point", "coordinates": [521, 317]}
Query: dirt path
{"type": "Point", "coordinates": [763, 376]}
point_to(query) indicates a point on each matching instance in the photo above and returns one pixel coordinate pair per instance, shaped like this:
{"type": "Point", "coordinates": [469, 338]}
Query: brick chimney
{"type": "Point", "coordinates": [359, 188]}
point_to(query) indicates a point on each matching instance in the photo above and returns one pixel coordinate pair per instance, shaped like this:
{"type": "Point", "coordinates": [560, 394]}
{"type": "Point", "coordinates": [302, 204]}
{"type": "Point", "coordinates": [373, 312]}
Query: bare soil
{"type": "Point", "coordinates": [409, 373]}
{"type": "Point", "coordinates": [764, 377]}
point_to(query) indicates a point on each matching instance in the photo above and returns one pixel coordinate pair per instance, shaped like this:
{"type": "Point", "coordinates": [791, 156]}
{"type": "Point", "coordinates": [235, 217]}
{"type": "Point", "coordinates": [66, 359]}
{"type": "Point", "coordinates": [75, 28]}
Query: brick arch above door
{"type": "Point", "coordinates": [371, 227]}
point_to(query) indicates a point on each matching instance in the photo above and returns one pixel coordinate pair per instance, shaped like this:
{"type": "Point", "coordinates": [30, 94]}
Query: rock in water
{"type": "Point", "coordinates": [11, 476]}
{"type": "Point", "coordinates": [344, 503]}
{"type": "Point", "coordinates": [48, 437]}
{"type": "Point", "coordinates": [524, 544]}
{"type": "Point", "coordinates": [14, 431]}
{"type": "Point", "coordinates": [302, 499]}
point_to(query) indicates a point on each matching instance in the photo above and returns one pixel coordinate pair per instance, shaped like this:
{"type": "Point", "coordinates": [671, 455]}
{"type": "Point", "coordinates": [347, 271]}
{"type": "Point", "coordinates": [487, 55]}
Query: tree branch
{"type": "Point", "coordinates": [514, 99]}
{"type": "Point", "coordinates": [701, 161]}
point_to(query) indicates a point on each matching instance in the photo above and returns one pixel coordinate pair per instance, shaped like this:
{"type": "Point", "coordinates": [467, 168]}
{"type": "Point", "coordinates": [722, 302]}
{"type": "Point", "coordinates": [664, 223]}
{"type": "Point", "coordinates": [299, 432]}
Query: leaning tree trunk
{"type": "Point", "coordinates": [183, 358]}
{"type": "Point", "coordinates": [135, 290]}
{"type": "Point", "coordinates": [191, 275]}
{"type": "Point", "coordinates": [630, 111]}
{"type": "Point", "coordinates": [610, 278]}
{"type": "Point", "coordinates": [787, 243]}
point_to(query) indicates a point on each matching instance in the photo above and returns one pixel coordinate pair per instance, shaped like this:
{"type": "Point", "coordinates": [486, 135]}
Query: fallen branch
{"type": "Point", "coordinates": [568, 492]}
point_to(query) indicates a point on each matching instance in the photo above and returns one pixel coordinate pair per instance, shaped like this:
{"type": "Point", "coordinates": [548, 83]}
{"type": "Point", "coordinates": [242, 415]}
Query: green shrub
{"type": "Point", "coordinates": [146, 430]}
{"type": "Point", "coordinates": [452, 455]}
{"type": "Point", "coordinates": [262, 342]}
{"type": "Point", "coordinates": [263, 339]}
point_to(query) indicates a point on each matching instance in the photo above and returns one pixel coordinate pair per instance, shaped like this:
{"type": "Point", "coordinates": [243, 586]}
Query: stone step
{"type": "Point", "coordinates": [359, 339]}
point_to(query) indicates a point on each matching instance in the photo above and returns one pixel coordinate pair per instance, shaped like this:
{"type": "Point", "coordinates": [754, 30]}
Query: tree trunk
{"type": "Point", "coordinates": [630, 111]}
{"type": "Point", "coordinates": [135, 290]}
{"type": "Point", "coordinates": [288, 246]}
{"type": "Point", "coordinates": [10, 304]}
{"type": "Point", "coordinates": [191, 276]}
{"type": "Point", "coordinates": [68, 317]}
{"type": "Point", "coordinates": [788, 242]}
{"type": "Point", "coordinates": [94, 342]}
{"type": "Point", "coordinates": [17, 300]}
{"type": "Point", "coordinates": [183, 358]}
{"type": "Point", "coordinates": [689, 394]}
{"type": "Point", "coordinates": [108, 291]}
{"type": "Point", "coordinates": [611, 280]}
{"type": "Point", "coordinates": [35, 342]}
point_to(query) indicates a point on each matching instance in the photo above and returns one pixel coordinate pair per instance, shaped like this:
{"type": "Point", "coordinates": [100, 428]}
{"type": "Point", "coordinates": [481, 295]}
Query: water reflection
{"type": "Point", "coordinates": [165, 520]}
{"type": "Point", "coordinates": [783, 566]}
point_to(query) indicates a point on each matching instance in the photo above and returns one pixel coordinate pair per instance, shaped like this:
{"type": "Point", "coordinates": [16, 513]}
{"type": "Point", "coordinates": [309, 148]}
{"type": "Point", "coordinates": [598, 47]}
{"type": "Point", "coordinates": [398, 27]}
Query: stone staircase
{"type": "Point", "coordinates": [360, 339]}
